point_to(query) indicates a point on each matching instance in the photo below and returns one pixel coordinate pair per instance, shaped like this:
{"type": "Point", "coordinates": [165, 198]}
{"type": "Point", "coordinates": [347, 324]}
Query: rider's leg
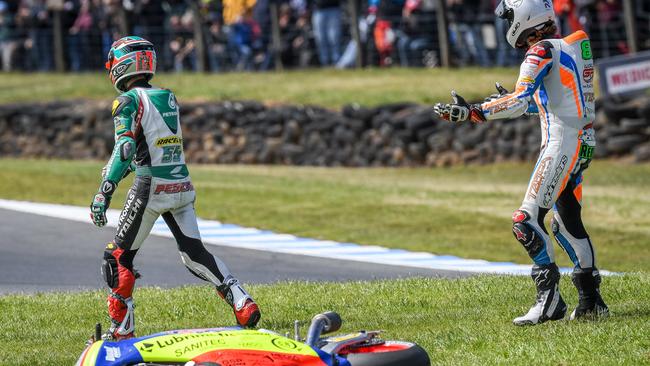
{"type": "Point", "coordinates": [528, 228]}
{"type": "Point", "coordinates": [197, 259]}
{"type": "Point", "coordinates": [557, 159]}
{"type": "Point", "coordinates": [569, 230]}
{"type": "Point", "coordinates": [572, 236]}
{"type": "Point", "coordinates": [133, 227]}
{"type": "Point", "coordinates": [118, 272]}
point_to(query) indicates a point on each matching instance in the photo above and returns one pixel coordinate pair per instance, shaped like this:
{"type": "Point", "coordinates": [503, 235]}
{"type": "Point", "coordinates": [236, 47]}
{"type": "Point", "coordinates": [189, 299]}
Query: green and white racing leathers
{"type": "Point", "coordinates": [149, 139]}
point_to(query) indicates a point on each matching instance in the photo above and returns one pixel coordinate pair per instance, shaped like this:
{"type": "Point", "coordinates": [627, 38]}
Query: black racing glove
{"type": "Point", "coordinates": [459, 110]}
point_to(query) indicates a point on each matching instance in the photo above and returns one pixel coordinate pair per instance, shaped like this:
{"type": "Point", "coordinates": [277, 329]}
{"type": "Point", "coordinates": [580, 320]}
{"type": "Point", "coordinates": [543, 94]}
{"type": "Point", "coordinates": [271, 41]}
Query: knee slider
{"type": "Point", "coordinates": [110, 266]}
{"type": "Point", "coordinates": [525, 234]}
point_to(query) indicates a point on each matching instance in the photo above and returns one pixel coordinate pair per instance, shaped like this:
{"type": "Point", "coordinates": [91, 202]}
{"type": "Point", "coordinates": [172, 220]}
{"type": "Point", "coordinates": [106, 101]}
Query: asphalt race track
{"type": "Point", "coordinates": [39, 253]}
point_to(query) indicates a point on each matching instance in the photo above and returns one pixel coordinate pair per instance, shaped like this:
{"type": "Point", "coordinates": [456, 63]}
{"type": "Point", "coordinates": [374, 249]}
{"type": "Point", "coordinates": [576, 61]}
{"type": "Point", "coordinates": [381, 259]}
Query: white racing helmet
{"type": "Point", "coordinates": [524, 17]}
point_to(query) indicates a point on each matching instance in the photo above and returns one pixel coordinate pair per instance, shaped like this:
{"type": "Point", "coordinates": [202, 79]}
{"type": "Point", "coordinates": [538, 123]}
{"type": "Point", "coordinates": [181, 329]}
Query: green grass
{"type": "Point", "coordinates": [459, 322]}
{"type": "Point", "coordinates": [464, 211]}
{"type": "Point", "coordinates": [330, 88]}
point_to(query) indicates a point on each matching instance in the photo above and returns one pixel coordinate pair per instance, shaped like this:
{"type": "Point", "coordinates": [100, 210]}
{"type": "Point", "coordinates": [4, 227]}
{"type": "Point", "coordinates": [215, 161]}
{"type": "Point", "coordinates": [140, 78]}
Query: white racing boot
{"type": "Point", "coordinates": [549, 304]}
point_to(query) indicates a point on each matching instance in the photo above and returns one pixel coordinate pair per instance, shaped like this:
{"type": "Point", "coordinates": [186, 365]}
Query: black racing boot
{"type": "Point", "coordinates": [549, 304]}
{"type": "Point", "coordinates": [590, 303]}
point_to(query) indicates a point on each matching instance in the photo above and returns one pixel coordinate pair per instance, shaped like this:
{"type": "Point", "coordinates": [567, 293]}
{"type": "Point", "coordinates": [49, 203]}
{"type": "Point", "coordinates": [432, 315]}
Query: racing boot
{"type": "Point", "coordinates": [124, 329]}
{"type": "Point", "coordinates": [590, 303]}
{"type": "Point", "coordinates": [246, 311]}
{"type": "Point", "coordinates": [549, 304]}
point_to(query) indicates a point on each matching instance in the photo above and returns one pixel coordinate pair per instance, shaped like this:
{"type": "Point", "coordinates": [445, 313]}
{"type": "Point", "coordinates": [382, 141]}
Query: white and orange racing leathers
{"type": "Point", "coordinates": [555, 81]}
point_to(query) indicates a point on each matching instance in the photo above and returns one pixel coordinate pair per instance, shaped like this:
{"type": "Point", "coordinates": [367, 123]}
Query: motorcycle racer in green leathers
{"type": "Point", "coordinates": [148, 141]}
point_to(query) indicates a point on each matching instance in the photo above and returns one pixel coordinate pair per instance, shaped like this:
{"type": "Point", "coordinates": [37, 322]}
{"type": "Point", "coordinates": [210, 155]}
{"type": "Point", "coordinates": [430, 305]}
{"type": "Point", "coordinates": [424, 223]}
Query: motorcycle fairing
{"type": "Point", "coordinates": [180, 346]}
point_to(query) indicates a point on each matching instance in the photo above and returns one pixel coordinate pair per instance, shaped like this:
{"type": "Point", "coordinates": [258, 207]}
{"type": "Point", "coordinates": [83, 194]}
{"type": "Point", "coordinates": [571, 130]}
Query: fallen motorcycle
{"type": "Point", "coordinates": [245, 347]}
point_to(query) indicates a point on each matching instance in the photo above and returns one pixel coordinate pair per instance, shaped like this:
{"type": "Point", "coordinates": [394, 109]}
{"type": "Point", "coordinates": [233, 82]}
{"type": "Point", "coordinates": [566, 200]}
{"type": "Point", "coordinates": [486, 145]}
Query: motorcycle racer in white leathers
{"type": "Point", "coordinates": [556, 82]}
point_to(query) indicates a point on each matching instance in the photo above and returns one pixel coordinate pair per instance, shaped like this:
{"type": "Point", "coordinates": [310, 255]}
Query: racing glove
{"type": "Point", "coordinates": [459, 110]}
{"type": "Point", "coordinates": [101, 202]}
{"type": "Point", "coordinates": [501, 91]}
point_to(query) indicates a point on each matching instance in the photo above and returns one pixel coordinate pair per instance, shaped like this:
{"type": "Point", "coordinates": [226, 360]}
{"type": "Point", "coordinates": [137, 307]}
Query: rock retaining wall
{"type": "Point", "coordinates": [252, 133]}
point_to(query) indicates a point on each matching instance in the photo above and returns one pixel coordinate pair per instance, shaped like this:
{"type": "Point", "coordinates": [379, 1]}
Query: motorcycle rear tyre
{"type": "Point", "coordinates": [414, 355]}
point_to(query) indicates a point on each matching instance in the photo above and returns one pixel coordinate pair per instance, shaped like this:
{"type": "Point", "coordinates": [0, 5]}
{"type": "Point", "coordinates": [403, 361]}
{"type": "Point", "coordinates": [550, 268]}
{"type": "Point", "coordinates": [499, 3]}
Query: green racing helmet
{"type": "Point", "coordinates": [130, 56]}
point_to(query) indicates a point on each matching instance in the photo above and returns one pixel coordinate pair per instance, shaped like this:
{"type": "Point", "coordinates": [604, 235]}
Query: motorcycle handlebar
{"type": "Point", "coordinates": [322, 324]}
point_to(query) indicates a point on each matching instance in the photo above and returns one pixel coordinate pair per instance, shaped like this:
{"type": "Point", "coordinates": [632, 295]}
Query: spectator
{"type": "Point", "coordinates": [288, 33]}
{"type": "Point", "coordinates": [348, 59]}
{"type": "Point", "coordinates": [262, 58]}
{"type": "Point", "coordinates": [148, 19]}
{"type": "Point", "coordinates": [303, 44]}
{"type": "Point", "coordinates": [108, 14]}
{"type": "Point", "coordinates": [217, 46]}
{"type": "Point", "coordinates": [242, 35]}
{"type": "Point", "coordinates": [411, 41]}
{"type": "Point", "coordinates": [388, 13]}
{"type": "Point", "coordinates": [567, 17]}
{"type": "Point", "coordinates": [8, 45]}
{"type": "Point", "coordinates": [79, 42]}
{"type": "Point", "coordinates": [295, 47]}
{"type": "Point", "coordinates": [326, 21]}
{"type": "Point", "coordinates": [612, 31]}
{"type": "Point", "coordinates": [182, 45]}
{"type": "Point", "coordinates": [24, 43]}
{"type": "Point", "coordinates": [467, 37]}
{"type": "Point", "coordinates": [239, 27]}
{"type": "Point", "coordinates": [215, 38]}
{"type": "Point", "coordinates": [40, 33]}
{"type": "Point", "coordinates": [505, 55]}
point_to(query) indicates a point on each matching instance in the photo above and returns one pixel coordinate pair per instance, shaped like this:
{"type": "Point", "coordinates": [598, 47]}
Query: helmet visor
{"type": "Point", "coordinates": [109, 60]}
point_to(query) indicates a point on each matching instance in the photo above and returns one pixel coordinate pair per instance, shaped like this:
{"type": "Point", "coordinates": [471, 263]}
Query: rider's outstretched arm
{"type": "Point", "coordinates": [536, 65]}
{"type": "Point", "coordinates": [124, 111]}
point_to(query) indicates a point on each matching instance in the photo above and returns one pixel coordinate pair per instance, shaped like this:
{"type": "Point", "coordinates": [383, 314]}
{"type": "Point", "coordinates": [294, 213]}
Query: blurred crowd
{"type": "Point", "coordinates": [222, 35]}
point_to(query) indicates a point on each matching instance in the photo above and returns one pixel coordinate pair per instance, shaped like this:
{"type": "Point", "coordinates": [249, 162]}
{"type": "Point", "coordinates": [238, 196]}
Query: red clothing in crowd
{"type": "Point", "coordinates": [566, 9]}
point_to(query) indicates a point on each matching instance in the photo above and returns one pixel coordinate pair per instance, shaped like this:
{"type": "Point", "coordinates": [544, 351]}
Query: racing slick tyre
{"type": "Point", "coordinates": [389, 353]}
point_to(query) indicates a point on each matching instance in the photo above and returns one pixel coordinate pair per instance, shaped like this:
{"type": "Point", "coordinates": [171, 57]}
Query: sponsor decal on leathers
{"type": "Point", "coordinates": [133, 204]}
{"type": "Point", "coordinates": [173, 188]}
{"type": "Point", "coordinates": [169, 140]}
{"type": "Point", "coordinates": [548, 196]}
{"type": "Point", "coordinates": [588, 74]}
{"type": "Point", "coordinates": [538, 178]}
